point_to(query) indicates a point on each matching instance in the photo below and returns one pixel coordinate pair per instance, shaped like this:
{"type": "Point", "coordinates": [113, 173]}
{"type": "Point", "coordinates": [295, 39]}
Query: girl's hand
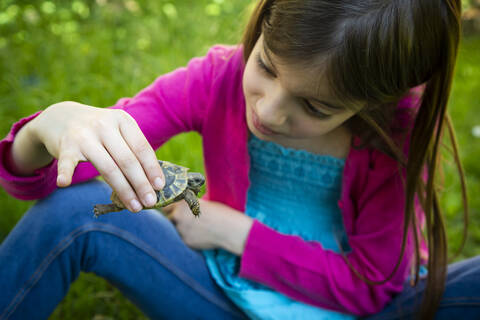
{"type": "Point", "coordinates": [110, 139]}
{"type": "Point", "coordinates": [219, 226]}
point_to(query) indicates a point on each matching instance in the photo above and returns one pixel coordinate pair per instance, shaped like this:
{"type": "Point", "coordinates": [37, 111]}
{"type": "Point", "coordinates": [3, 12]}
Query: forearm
{"type": "Point", "coordinates": [27, 153]}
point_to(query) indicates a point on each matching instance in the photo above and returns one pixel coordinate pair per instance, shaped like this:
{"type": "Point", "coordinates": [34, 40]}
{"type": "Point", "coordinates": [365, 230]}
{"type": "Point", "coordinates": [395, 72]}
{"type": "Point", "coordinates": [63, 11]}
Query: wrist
{"type": "Point", "coordinates": [234, 233]}
{"type": "Point", "coordinates": [27, 152]}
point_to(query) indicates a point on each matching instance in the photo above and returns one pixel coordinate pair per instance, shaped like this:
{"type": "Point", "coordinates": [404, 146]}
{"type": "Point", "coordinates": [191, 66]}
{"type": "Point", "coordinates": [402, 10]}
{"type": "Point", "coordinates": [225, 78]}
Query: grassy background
{"type": "Point", "coordinates": [95, 52]}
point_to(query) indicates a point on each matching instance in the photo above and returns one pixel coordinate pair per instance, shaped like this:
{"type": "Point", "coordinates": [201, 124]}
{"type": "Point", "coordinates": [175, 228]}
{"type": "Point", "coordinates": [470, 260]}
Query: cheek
{"type": "Point", "coordinates": [252, 84]}
{"type": "Point", "coordinates": [310, 127]}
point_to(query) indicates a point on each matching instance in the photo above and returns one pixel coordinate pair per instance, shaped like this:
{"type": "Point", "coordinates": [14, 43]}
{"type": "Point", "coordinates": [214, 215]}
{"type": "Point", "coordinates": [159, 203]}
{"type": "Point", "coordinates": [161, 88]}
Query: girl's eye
{"type": "Point", "coordinates": [310, 109]}
{"type": "Point", "coordinates": [263, 67]}
{"type": "Point", "coordinates": [315, 112]}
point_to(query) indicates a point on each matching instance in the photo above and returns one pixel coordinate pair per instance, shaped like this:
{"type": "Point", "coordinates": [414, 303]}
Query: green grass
{"type": "Point", "coordinates": [96, 52]}
{"type": "Point", "coordinates": [464, 105]}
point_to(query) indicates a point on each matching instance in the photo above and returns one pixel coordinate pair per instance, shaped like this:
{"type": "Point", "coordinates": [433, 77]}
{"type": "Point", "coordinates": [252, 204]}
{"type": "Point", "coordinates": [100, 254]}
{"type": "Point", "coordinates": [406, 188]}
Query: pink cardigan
{"type": "Point", "coordinates": [206, 96]}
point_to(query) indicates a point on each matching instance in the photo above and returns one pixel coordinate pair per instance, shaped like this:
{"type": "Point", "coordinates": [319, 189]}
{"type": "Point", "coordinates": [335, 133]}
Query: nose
{"type": "Point", "coordinates": [272, 110]}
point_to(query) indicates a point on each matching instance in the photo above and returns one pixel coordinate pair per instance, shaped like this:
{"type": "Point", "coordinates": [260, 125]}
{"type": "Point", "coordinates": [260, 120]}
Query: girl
{"type": "Point", "coordinates": [316, 131]}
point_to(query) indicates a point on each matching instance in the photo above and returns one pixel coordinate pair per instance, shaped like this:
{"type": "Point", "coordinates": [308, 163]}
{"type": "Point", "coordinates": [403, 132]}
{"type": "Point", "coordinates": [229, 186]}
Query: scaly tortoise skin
{"type": "Point", "coordinates": [179, 184]}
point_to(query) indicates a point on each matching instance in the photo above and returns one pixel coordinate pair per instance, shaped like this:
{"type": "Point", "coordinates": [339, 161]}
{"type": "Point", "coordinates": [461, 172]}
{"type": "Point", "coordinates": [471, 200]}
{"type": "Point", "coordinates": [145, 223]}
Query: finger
{"type": "Point", "coordinates": [171, 217]}
{"type": "Point", "coordinates": [67, 162]}
{"type": "Point", "coordinates": [106, 166]}
{"type": "Point", "coordinates": [170, 206]}
{"type": "Point", "coordinates": [167, 211]}
{"type": "Point", "coordinates": [143, 151]}
{"type": "Point", "coordinates": [130, 166]}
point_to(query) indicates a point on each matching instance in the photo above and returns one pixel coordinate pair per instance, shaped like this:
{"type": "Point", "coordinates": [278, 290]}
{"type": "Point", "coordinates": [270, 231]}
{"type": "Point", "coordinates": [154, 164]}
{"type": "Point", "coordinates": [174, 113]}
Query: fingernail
{"type": "Point", "coordinates": [150, 200]}
{"type": "Point", "coordinates": [158, 183]}
{"type": "Point", "coordinates": [135, 205]}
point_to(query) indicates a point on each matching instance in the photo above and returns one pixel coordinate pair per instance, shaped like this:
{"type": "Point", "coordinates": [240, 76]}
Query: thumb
{"type": "Point", "coordinates": [67, 162]}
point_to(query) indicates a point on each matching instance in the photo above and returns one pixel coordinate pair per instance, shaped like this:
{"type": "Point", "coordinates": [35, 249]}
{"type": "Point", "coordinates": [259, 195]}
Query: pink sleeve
{"type": "Point", "coordinates": [308, 273]}
{"type": "Point", "coordinates": [25, 188]}
{"type": "Point", "coordinates": [173, 103]}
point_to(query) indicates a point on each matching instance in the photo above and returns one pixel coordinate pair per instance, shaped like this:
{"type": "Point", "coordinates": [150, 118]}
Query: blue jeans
{"type": "Point", "coordinates": [460, 301]}
{"type": "Point", "coordinates": [144, 257]}
{"type": "Point", "coordinates": [141, 254]}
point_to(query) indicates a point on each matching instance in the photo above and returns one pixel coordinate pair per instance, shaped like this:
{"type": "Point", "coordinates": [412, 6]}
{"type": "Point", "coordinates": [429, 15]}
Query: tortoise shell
{"type": "Point", "coordinates": [176, 181]}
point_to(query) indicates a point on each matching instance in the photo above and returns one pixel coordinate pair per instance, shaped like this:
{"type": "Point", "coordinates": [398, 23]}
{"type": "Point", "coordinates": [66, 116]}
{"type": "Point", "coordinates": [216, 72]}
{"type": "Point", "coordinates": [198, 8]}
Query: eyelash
{"type": "Point", "coordinates": [263, 67]}
{"type": "Point", "coordinates": [308, 107]}
{"type": "Point", "coordinates": [317, 113]}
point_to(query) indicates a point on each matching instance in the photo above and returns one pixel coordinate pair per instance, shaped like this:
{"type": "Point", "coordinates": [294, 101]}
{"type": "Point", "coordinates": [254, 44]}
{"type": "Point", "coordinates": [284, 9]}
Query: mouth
{"type": "Point", "coordinates": [261, 128]}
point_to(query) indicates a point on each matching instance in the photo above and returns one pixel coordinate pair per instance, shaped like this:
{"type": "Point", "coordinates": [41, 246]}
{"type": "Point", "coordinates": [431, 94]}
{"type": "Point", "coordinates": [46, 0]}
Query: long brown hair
{"type": "Point", "coordinates": [376, 52]}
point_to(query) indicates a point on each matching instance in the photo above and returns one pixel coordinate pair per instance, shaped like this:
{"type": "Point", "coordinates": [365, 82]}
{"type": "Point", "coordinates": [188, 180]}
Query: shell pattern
{"type": "Point", "coordinates": [176, 181]}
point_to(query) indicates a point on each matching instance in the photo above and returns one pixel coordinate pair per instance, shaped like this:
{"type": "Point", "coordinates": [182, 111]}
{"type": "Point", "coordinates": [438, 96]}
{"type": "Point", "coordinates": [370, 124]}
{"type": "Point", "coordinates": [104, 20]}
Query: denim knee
{"type": "Point", "coordinates": [68, 208]}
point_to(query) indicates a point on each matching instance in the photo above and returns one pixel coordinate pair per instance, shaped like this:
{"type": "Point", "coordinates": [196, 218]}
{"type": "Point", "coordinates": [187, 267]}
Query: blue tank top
{"type": "Point", "coordinates": [294, 192]}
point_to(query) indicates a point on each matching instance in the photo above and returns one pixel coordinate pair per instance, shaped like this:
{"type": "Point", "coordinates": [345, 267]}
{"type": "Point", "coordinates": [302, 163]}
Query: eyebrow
{"type": "Point", "coordinates": [328, 104]}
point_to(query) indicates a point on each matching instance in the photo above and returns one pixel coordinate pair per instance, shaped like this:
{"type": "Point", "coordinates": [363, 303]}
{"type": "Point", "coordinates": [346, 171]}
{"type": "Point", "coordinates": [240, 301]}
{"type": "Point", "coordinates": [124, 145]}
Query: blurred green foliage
{"type": "Point", "coordinates": [97, 51]}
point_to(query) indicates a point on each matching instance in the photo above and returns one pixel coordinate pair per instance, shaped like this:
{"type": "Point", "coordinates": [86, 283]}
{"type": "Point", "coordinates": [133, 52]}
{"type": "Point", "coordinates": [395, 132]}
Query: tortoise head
{"type": "Point", "coordinates": [195, 181]}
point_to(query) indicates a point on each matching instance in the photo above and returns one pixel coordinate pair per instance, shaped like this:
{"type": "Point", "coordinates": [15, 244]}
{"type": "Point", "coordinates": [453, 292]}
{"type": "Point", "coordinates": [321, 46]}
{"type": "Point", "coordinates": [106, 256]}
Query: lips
{"type": "Point", "coordinates": [258, 125]}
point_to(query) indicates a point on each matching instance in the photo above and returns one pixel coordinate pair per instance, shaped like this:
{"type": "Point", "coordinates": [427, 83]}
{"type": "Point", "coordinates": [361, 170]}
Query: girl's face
{"type": "Point", "coordinates": [286, 104]}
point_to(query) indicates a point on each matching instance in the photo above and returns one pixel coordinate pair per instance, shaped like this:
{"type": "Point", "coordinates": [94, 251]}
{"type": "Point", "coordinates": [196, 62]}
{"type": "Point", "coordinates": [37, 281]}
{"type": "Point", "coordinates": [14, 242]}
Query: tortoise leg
{"type": "Point", "coordinates": [192, 202]}
{"type": "Point", "coordinates": [100, 209]}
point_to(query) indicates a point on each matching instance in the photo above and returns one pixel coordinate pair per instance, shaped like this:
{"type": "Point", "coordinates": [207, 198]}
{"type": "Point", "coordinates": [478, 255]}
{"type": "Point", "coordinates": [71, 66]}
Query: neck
{"type": "Point", "coordinates": [336, 143]}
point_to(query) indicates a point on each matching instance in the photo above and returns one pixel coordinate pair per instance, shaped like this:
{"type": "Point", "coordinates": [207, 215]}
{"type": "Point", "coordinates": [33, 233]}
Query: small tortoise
{"type": "Point", "coordinates": [179, 184]}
